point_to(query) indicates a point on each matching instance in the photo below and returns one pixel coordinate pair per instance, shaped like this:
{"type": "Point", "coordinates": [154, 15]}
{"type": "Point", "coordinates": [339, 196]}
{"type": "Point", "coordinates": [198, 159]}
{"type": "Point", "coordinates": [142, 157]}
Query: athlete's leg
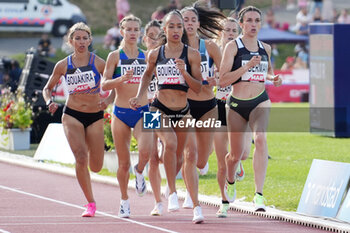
{"type": "Point", "coordinates": [95, 142]}
{"type": "Point", "coordinates": [75, 133]}
{"type": "Point", "coordinates": [221, 150]}
{"type": "Point", "coordinates": [237, 127]}
{"type": "Point", "coordinates": [189, 167]}
{"type": "Point", "coordinates": [259, 119]}
{"type": "Point", "coordinates": [145, 145]}
{"type": "Point", "coordinates": [153, 171]}
{"type": "Point", "coordinates": [205, 138]}
{"type": "Point", "coordinates": [122, 136]}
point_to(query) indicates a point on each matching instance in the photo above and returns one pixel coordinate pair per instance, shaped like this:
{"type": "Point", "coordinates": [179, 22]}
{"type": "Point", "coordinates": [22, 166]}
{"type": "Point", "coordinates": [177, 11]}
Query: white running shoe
{"type": "Point", "coordinates": [124, 210]}
{"type": "Point", "coordinates": [140, 183]}
{"type": "Point", "coordinates": [204, 170]}
{"type": "Point", "coordinates": [158, 209]}
{"type": "Point", "coordinates": [173, 202]}
{"type": "Point", "coordinates": [197, 215]}
{"type": "Point", "coordinates": [230, 192]}
{"type": "Point", "coordinates": [188, 204]}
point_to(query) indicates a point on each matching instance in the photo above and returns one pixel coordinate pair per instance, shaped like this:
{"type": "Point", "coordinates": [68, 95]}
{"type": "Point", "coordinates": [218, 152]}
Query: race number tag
{"type": "Point", "coordinates": [138, 68]}
{"type": "Point", "coordinates": [257, 73]}
{"type": "Point", "coordinates": [222, 93]}
{"type": "Point", "coordinates": [80, 80]}
{"type": "Point", "coordinates": [169, 74]}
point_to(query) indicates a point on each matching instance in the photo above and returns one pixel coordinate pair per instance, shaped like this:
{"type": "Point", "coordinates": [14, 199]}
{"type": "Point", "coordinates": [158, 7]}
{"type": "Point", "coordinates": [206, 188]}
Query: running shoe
{"type": "Point", "coordinates": [140, 182]}
{"type": "Point", "coordinates": [259, 203]}
{"type": "Point", "coordinates": [230, 192]}
{"type": "Point", "coordinates": [222, 212]}
{"type": "Point", "coordinates": [188, 204]}
{"type": "Point", "coordinates": [240, 172]}
{"type": "Point", "coordinates": [173, 202]}
{"type": "Point", "coordinates": [203, 171]}
{"type": "Point", "coordinates": [158, 209]}
{"type": "Point", "coordinates": [197, 215]}
{"type": "Point", "coordinates": [124, 210]}
{"type": "Point", "coordinates": [90, 210]}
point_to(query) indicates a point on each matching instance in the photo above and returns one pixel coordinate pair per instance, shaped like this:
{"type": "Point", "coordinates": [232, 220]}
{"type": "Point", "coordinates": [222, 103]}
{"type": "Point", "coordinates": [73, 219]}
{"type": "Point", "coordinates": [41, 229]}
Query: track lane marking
{"type": "Point", "coordinates": [80, 207]}
{"type": "Point", "coordinates": [3, 231]}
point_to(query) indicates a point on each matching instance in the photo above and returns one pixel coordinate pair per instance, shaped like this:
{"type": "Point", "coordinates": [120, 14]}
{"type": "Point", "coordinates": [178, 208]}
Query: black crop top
{"type": "Point", "coordinates": [169, 77]}
{"type": "Point", "coordinates": [254, 74]}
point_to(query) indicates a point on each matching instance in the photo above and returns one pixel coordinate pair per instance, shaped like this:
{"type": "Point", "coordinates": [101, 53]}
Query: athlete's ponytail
{"type": "Point", "coordinates": [209, 19]}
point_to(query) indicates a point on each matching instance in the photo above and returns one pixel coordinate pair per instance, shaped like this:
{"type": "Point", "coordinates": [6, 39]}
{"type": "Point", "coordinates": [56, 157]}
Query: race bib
{"type": "Point", "coordinates": [205, 70]}
{"type": "Point", "coordinates": [222, 93]}
{"type": "Point", "coordinates": [79, 80]}
{"type": "Point", "coordinates": [139, 69]}
{"type": "Point", "coordinates": [257, 73]}
{"type": "Point", "coordinates": [169, 74]}
{"type": "Point", "coordinates": [152, 88]}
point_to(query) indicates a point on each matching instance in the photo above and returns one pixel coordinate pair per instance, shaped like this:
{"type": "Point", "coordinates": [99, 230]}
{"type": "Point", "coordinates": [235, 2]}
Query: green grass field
{"type": "Point", "coordinates": [292, 154]}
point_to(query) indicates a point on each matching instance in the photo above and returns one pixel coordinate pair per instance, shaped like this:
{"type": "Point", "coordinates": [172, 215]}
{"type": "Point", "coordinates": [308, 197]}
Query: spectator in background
{"type": "Point", "coordinates": [302, 55]}
{"type": "Point", "coordinates": [303, 19]}
{"type": "Point", "coordinates": [344, 17]}
{"type": "Point", "coordinates": [317, 16]}
{"type": "Point", "coordinates": [44, 46]}
{"type": "Point", "coordinates": [11, 74]}
{"type": "Point", "coordinates": [112, 38]}
{"type": "Point", "coordinates": [288, 64]}
{"type": "Point", "coordinates": [14, 73]}
{"type": "Point", "coordinates": [159, 13]}
{"type": "Point", "coordinates": [317, 4]}
{"type": "Point", "coordinates": [122, 8]}
{"type": "Point", "coordinates": [270, 20]}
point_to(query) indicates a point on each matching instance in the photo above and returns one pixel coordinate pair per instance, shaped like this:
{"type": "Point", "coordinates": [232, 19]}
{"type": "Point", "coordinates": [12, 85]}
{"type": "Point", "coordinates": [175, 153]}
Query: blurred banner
{"type": "Point", "coordinates": [324, 188]}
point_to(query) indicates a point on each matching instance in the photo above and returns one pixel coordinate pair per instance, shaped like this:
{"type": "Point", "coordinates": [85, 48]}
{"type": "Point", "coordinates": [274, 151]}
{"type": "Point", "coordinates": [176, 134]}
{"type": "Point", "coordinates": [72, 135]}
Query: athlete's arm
{"type": "Point", "coordinates": [107, 82]}
{"type": "Point", "coordinates": [58, 71]}
{"type": "Point", "coordinates": [194, 81]}
{"type": "Point", "coordinates": [146, 78]}
{"type": "Point", "coordinates": [277, 81]}
{"type": "Point", "coordinates": [215, 53]}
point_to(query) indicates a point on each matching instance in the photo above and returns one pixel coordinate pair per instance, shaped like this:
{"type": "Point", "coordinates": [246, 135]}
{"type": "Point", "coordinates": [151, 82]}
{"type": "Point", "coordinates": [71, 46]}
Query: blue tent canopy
{"type": "Point", "coordinates": [274, 36]}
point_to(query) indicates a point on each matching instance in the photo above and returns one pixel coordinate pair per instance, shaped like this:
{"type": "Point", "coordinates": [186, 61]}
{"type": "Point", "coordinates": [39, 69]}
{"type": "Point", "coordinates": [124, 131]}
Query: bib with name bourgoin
{"type": "Point", "coordinates": [168, 73]}
{"type": "Point", "coordinates": [80, 80]}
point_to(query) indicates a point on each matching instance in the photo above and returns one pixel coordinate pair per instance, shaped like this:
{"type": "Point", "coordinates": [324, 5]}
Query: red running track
{"type": "Point", "coordinates": [38, 201]}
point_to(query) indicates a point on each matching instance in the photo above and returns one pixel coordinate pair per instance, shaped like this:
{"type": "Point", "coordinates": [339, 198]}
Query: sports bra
{"type": "Point", "coordinates": [254, 74]}
{"type": "Point", "coordinates": [82, 80]}
{"type": "Point", "coordinates": [169, 77]}
{"type": "Point", "coordinates": [138, 64]}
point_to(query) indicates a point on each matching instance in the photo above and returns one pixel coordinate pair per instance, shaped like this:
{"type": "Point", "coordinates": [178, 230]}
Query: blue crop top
{"type": "Point", "coordinates": [82, 80]}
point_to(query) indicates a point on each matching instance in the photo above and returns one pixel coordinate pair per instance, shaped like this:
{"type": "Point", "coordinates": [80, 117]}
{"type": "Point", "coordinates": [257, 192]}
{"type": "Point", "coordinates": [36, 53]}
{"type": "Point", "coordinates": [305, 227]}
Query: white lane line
{"type": "Point", "coordinates": [3, 231]}
{"type": "Point", "coordinates": [80, 207]}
